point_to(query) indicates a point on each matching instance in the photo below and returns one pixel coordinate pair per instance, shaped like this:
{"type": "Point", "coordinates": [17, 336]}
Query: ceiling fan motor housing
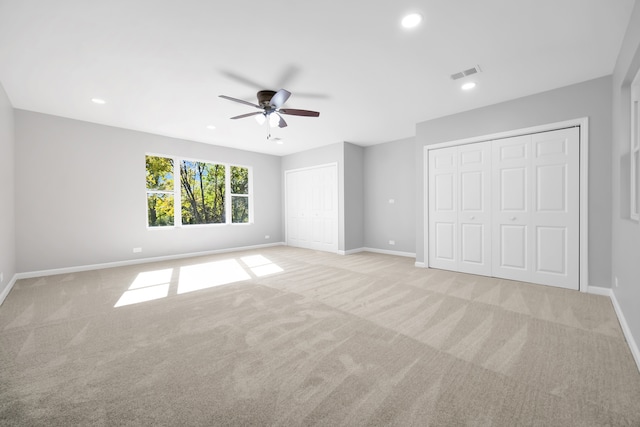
{"type": "Point", "coordinates": [264, 97]}
{"type": "Point", "coordinates": [269, 102]}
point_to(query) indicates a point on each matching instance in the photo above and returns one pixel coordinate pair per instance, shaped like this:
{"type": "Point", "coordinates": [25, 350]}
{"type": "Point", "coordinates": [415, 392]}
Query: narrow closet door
{"type": "Point", "coordinates": [556, 204]}
{"type": "Point", "coordinates": [511, 199]}
{"type": "Point", "coordinates": [443, 208]}
{"type": "Point", "coordinates": [474, 209]}
{"type": "Point", "coordinates": [324, 208]}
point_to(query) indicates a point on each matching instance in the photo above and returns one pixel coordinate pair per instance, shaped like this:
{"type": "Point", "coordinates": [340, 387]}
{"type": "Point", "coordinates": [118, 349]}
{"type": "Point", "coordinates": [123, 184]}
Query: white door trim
{"type": "Point", "coordinates": [286, 205]}
{"type": "Point", "coordinates": [583, 124]}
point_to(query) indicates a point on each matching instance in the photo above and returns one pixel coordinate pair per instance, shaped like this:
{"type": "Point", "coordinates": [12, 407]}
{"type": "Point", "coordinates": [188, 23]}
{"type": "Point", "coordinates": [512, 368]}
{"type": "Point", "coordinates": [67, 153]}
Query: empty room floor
{"type": "Point", "coordinates": [284, 336]}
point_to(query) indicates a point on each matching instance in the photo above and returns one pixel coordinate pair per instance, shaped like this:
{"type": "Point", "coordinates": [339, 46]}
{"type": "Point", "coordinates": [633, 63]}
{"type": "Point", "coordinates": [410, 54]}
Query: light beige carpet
{"type": "Point", "coordinates": [287, 337]}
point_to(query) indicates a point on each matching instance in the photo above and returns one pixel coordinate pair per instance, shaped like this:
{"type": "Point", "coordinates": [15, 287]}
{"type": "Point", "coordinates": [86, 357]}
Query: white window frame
{"type": "Point", "coordinates": [634, 149]}
{"type": "Point", "coordinates": [177, 194]}
{"type": "Point", "coordinates": [249, 195]}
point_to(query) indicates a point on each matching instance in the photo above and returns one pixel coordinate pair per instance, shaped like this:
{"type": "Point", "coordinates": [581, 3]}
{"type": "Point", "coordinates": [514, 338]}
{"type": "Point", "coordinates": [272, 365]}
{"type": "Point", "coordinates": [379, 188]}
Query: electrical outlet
{"type": "Point", "coordinates": [267, 236]}
{"type": "Point", "coordinates": [137, 250]}
{"type": "Point", "coordinates": [391, 201]}
{"type": "Point", "coordinates": [392, 242]}
{"type": "Point", "coordinates": [615, 280]}
{"type": "Point", "coordinates": [1, 277]}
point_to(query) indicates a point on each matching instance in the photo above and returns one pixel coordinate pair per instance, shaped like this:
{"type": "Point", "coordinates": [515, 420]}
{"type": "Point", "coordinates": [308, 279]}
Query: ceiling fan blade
{"type": "Point", "coordinates": [242, 116]}
{"type": "Point", "coordinates": [287, 76]}
{"type": "Point", "coordinates": [239, 100]}
{"type": "Point", "coordinates": [242, 79]}
{"type": "Point", "coordinates": [279, 98]}
{"type": "Point", "coordinates": [294, 112]}
{"type": "Point", "coordinates": [281, 123]}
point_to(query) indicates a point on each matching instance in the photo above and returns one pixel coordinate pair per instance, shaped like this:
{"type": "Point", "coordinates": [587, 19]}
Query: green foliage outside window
{"type": "Point", "coordinates": [203, 188]}
{"type": "Point", "coordinates": [239, 180]}
{"type": "Point", "coordinates": [240, 209]}
{"type": "Point", "coordinates": [239, 185]}
{"type": "Point", "coordinates": [159, 191]}
{"type": "Point", "coordinates": [203, 192]}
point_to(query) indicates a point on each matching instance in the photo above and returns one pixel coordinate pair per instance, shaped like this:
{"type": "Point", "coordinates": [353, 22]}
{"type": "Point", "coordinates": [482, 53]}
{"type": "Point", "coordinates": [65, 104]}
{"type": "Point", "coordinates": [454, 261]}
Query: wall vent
{"type": "Point", "coordinates": [465, 73]}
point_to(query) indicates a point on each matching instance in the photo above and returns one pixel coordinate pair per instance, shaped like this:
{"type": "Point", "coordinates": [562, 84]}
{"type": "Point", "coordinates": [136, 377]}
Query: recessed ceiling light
{"type": "Point", "coordinates": [98, 101]}
{"type": "Point", "coordinates": [468, 86]}
{"type": "Point", "coordinates": [411, 20]}
{"type": "Point", "coordinates": [211, 127]}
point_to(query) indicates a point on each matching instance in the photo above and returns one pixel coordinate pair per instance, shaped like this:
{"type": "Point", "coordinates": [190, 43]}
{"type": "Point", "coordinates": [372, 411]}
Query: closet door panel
{"type": "Point", "coordinates": [474, 213]}
{"type": "Point", "coordinates": [555, 208]}
{"type": "Point", "coordinates": [443, 187]}
{"type": "Point", "coordinates": [511, 257]}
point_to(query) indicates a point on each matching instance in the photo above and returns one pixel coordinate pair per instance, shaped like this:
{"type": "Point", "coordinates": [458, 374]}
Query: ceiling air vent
{"type": "Point", "coordinates": [465, 73]}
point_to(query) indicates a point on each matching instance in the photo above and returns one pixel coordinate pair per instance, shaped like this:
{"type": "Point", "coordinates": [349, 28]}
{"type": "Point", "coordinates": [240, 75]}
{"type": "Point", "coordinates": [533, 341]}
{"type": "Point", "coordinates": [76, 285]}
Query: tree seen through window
{"type": "Point", "coordinates": [200, 195]}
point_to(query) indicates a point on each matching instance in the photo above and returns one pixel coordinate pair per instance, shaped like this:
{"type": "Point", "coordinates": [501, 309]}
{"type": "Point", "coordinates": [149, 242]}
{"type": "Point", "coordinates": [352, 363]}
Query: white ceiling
{"type": "Point", "coordinates": [161, 64]}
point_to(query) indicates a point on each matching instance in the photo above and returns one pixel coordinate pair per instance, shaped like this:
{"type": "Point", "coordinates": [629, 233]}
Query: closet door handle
{"type": "Point", "coordinates": [472, 217]}
{"type": "Point", "coordinates": [513, 218]}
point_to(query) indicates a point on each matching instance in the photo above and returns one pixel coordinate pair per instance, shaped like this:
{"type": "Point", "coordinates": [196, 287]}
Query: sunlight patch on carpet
{"type": "Point", "coordinates": [261, 265]}
{"type": "Point", "coordinates": [210, 274]}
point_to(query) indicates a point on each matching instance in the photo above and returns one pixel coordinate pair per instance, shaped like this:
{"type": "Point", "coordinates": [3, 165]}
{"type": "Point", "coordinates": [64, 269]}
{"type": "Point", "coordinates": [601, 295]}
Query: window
{"type": "Point", "coordinates": [200, 197]}
{"type": "Point", "coordinates": [239, 194]}
{"type": "Point", "coordinates": [203, 188]}
{"type": "Point", "coordinates": [635, 148]}
{"type": "Point", "coordinates": [160, 191]}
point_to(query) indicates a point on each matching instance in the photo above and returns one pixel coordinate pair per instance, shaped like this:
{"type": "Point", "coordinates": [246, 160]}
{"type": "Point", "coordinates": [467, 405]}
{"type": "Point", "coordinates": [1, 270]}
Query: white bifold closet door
{"type": "Point", "coordinates": [508, 208]}
{"type": "Point", "coordinates": [536, 208]}
{"type": "Point", "coordinates": [460, 208]}
{"type": "Point", "coordinates": [311, 219]}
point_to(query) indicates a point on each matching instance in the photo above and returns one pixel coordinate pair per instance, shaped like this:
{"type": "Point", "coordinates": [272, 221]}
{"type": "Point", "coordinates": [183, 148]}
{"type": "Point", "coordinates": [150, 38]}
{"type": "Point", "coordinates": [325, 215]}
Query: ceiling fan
{"type": "Point", "coordinates": [269, 102]}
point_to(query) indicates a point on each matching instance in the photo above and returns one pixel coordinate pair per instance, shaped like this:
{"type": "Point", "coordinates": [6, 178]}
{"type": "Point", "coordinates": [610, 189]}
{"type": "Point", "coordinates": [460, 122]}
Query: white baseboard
{"type": "Point", "coordinates": [76, 269]}
{"type": "Point", "coordinates": [378, 251]}
{"type": "Point", "coordinates": [388, 252]}
{"type": "Point", "coordinates": [421, 265]}
{"type": "Point", "coordinates": [597, 290]}
{"type": "Point", "coordinates": [351, 251]}
{"type": "Point", "coordinates": [633, 346]}
{"type": "Point", "coordinates": [7, 289]}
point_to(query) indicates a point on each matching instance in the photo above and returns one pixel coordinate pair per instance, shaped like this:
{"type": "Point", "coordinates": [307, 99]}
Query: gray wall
{"type": "Point", "coordinates": [333, 153]}
{"type": "Point", "coordinates": [625, 253]}
{"type": "Point", "coordinates": [390, 173]}
{"type": "Point", "coordinates": [353, 196]}
{"type": "Point", "coordinates": [591, 99]}
{"type": "Point", "coordinates": [80, 195]}
{"type": "Point", "coordinates": [7, 200]}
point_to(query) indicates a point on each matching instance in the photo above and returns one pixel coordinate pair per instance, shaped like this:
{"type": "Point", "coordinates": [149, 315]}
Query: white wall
{"type": "Point", "coordinates": [353, 196]}
{"type": "Point", "coordinates": [80, 195]}
{"type": "Point", "coordinates": [625, 232]}
{"type": "Point", "coordinates": [7, 200]}
{"type": "Point", "coordinates": [389, 173]}
{"type": "Point", "coordinates": [588, 99]}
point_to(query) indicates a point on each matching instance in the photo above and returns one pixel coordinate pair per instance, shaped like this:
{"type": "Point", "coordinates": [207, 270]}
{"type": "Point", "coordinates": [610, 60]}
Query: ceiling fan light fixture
{"type": "Point", "coordinates": [269, 102]}
{"type": "Point", "coordinates": [468, 86]}
{"type": "Point", "coordinates": [412, 20]}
